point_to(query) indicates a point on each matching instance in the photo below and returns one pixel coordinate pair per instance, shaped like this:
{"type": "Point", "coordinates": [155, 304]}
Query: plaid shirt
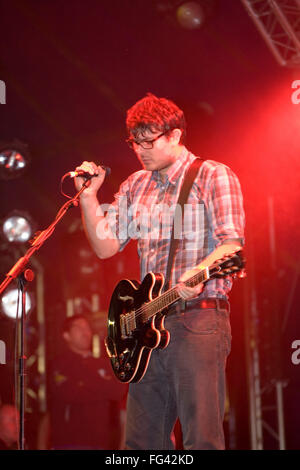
{"type": "Point", "coordinates": [144, 209]}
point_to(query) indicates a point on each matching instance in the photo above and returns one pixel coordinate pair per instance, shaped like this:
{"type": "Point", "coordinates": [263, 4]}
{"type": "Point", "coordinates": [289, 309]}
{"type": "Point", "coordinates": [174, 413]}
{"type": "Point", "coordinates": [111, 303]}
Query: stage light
{"type": "Point", "coordinates": [17, 227]}
{"type": "Point", "coordinates": [9, 303]}
{"type": "Point", "coordinates": [14, 159]}
{"type": "Point", "coordinates": [190, 15]}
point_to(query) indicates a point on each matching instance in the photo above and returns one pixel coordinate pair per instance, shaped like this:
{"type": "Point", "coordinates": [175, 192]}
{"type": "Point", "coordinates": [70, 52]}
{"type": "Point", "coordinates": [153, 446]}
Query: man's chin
{"type": "Point", "coordinates": [148, 166]}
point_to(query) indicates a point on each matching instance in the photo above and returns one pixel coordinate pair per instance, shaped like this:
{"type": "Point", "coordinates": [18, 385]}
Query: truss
{"type": "Point", "coordinates": [278, 21]}
{"type": "Point", "coordinates": [265, 378]}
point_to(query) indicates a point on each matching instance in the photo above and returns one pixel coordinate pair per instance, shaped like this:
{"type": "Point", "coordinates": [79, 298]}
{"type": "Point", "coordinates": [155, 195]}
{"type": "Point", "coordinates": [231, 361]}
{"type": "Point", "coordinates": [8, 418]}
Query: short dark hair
{"type": "Point", "coordinates": [68, 322]}
{"type": "Point", "coordinates": [155, 114]}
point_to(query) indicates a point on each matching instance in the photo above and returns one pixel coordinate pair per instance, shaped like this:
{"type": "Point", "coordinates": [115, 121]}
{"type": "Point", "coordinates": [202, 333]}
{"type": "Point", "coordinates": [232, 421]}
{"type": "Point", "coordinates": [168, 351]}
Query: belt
{"type": "Point", "coordinates": [220, 304]}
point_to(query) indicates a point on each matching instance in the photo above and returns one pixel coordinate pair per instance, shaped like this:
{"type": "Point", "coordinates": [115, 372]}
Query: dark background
{"type": "Point", "coordinates": [72, 68]}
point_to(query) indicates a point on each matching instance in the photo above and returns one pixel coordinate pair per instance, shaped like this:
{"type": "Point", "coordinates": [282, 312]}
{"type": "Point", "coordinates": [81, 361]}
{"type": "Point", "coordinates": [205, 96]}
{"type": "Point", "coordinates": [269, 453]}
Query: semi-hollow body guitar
{"type": "Point", "coordinates": [137, 312]}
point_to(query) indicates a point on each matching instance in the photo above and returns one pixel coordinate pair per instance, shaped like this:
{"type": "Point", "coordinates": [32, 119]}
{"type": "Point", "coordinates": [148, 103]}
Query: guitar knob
{"type": "Point", "coordinates": [122, 375]}
{"type": "Point", "coordinates": [128, 366]}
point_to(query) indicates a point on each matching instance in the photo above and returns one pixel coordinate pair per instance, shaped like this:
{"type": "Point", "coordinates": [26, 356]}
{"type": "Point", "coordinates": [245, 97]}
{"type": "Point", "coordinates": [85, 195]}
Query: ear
{"type": "Point", "coordinates": [176, 136]}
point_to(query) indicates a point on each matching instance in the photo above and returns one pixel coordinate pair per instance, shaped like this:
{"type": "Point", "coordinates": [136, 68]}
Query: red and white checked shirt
{"type": "Point", "coordinates": [214, 213]}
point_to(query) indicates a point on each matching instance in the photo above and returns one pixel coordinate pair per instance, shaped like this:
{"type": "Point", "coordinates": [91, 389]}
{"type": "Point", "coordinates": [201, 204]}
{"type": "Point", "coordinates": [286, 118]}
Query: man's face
{"type": "Point", "coordinates": [79, 337]}
{"type": "Point", "coordinates": [161, 155]}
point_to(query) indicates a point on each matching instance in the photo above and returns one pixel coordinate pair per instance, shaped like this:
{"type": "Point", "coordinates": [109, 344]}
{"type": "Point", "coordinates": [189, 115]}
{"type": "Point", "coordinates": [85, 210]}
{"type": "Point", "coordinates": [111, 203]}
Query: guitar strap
{"type": "Point", "coordinates": [182, 198]}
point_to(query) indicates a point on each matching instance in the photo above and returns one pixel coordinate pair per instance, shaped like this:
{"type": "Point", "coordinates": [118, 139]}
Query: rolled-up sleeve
{"type": "Point", "coordinates": [225, 206]}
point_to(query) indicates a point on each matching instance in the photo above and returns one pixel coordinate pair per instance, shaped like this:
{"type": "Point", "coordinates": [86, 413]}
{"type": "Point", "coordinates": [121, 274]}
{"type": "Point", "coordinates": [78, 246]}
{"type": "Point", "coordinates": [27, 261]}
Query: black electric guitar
{"type": "Point", "coordinates": [137, 312]}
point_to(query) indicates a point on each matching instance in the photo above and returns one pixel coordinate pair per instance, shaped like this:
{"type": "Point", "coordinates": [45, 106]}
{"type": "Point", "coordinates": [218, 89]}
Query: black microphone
{"type": "Point", "coordinates": [85, 174]}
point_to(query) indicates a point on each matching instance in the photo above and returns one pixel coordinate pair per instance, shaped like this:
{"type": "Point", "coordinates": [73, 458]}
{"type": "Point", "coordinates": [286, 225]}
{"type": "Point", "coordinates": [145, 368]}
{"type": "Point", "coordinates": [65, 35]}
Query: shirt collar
{"type": "Point", "coordinates": [175, 169]}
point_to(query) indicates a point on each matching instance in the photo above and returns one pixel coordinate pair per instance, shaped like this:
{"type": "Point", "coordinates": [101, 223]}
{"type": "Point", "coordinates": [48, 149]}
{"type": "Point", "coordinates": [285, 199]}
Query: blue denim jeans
{"type": "Point", "coordinates": [185, 380]}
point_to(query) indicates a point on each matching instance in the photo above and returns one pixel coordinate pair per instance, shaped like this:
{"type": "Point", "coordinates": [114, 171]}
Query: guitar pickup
{"type": "Point", "coordinates": [127, 324]}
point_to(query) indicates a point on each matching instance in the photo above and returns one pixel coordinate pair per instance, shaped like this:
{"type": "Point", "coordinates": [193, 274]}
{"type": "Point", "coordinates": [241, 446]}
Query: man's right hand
{"type": "Point", "coordinates": [95, 182]}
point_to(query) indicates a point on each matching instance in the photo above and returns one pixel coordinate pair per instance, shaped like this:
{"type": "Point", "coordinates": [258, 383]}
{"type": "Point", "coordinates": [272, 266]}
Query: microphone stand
{"type": "Point", "coordinates": [25, 275]}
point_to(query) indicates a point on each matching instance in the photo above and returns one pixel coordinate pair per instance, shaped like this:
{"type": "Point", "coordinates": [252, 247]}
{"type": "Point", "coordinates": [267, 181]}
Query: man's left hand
{"type": "Point", "coordinates": [186, 292]}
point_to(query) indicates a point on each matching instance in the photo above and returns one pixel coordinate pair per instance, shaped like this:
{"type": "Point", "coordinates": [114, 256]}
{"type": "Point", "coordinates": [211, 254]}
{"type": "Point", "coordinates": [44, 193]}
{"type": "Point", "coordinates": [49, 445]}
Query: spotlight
{"type": "Point", "coordinates": [18, 227]}
{"type": "Point", "coordinates": [9, 303]}
{"type": "Point", "coordinates": [190, 15]}
{"type": "Point", "coordinates": [14, 159]}
{"type": "Point", "coordinates": [187, 14]}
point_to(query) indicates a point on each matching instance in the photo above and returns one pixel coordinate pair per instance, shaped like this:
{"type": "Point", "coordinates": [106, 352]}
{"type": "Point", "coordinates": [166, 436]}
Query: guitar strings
{"type": "Point", "coordinates": [145, 307]}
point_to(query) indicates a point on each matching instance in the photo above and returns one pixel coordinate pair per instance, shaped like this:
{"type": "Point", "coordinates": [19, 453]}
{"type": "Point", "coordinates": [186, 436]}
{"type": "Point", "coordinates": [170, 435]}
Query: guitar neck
{"type": "Point", "coordinates": [171, 295]}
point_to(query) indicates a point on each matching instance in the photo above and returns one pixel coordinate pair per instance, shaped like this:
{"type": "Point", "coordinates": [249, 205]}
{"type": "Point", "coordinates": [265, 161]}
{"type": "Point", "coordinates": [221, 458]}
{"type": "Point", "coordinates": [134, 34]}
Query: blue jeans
{"type": "Point", "coordinates": [185, 380]}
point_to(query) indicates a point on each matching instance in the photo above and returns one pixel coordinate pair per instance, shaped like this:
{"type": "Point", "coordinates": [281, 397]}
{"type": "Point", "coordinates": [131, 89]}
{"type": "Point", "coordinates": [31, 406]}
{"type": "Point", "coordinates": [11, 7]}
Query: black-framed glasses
{"type": "Point", "coordinates": [145, 144]}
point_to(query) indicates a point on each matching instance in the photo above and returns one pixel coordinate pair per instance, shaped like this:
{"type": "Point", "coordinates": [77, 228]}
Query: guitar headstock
{"type": "Point", "coordinates": [231, 264]}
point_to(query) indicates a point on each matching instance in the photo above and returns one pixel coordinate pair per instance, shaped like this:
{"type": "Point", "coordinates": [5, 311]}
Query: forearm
{"type": "Point", "coordinates": [227, 247]}
{"type": "Point", "coordinates": [97, 230]}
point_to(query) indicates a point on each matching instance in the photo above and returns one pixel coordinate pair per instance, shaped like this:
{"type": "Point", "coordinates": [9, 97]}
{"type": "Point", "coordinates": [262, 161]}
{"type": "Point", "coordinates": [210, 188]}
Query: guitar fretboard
{"type": "Point", "coordinates": [170, 296]}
